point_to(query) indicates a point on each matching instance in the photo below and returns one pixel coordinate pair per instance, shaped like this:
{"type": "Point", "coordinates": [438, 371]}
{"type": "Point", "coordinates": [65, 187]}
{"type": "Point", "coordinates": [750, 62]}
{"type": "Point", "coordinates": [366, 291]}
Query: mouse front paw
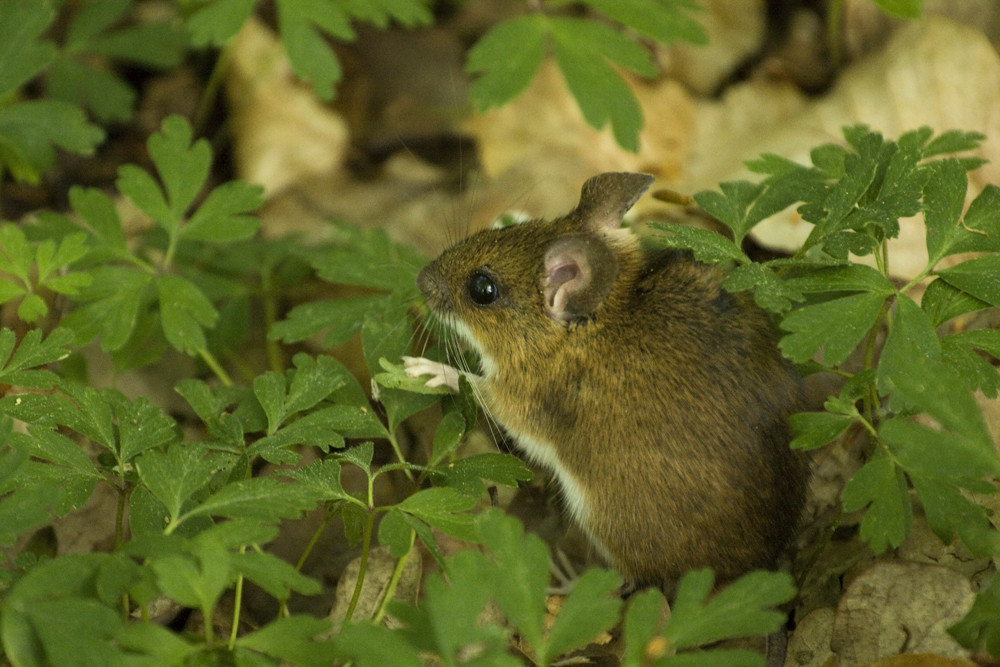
{"type": "Point", "coordinates": [442, 375]}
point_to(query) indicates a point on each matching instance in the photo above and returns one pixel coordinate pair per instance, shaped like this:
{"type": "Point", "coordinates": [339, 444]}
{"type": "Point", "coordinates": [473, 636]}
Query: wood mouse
{"type": "Point", "coordinates": [658, 400]}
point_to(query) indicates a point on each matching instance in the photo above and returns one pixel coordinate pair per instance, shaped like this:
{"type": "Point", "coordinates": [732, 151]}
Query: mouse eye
{"type": "Point", "coordinates": [482, 288]}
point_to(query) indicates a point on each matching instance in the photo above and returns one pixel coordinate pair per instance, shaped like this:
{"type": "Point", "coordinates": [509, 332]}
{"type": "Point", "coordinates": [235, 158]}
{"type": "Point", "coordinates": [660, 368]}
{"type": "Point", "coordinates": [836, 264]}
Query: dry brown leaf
{"type": "Point", "coordinates": [282, 133]}
{"type": "Point", "coordinates": [897, 607]}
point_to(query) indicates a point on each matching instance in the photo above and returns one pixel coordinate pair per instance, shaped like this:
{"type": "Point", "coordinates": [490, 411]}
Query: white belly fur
{"type": "Point", "coordinates": [544, 454]}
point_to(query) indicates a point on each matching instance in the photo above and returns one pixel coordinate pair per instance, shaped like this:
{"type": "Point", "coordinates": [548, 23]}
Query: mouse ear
{"type": "Point", "coordinates": [606, 198]}
{"type": "Point", "coordinates": [579, 272]}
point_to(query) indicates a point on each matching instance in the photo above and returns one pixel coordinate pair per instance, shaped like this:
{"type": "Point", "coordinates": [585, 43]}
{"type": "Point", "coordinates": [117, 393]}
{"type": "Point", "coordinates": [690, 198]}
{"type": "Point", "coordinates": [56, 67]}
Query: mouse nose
{"type": "Point", "coordinates": [433, 287]}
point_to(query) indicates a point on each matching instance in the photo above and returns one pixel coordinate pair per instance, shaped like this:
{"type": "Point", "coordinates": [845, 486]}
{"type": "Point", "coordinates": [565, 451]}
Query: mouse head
{"type": "Point", "coordinates": [503, 288]}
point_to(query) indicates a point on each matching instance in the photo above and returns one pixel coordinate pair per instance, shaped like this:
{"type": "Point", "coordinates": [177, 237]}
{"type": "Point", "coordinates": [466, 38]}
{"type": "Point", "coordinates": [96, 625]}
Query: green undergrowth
{"type": "Point", "coordinates": [257, 432]}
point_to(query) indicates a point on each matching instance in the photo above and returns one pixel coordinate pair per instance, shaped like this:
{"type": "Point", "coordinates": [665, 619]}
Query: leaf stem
{"type": "Point", "coordinates": [211, 93]}
{"type": "Point", "coordinates": [366, 545]}
{"type": "Point", "coordinates": [215, 366]}
{"type": "Point", "coordinates": [397, 574]}
{"type": "Point", "coordinates": [237, 606]}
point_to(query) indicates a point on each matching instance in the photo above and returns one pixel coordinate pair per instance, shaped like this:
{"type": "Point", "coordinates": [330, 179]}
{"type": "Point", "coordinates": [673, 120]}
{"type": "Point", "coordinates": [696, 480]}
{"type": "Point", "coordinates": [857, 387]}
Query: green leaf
{"type": "Point", "coordinates": [943, 302]}
{"type": "Point", "coordinates": [912, 373]}
{"type": "Point", "coordinates": [160, 645]}
{"type": "Point", "coordinates": [277, 577]}
{"type": "Point", "coordinates": [322, 479]}
{"type": "Point", "coordinates": [301, 24]}
{"type": "Point", "coordinates": [51, 617]}
{"type": "Point", "coordinates": [975, 372]}
{"type": "Point", "coordinates": [591, 608]}
{"type": "Point", "coordinates": [372, 645]}
{"type": "Point", "coordinates": [981, 626]}
{"type": "Point", "coordinates": [341, 319]}
{"type": "Point", "coordinates": [381, 13]}
{"type": "Point", "coordinates": [944, 199]}
{"type": "Point", "coordinates": [223, 214]}
{"type": "Point", "coordinates": [17, 367]}
{"type": "Point", "coordinates": [141, 425]}
{"type": "Point", "coordinates": [880, 486]}
{"type": "Point", "coordinates": [982, 221]}
{"type": "Point", "coordinates": [108, 96]}
{"type": "Point", "coordinates": [444, 509]}
{"type": "Point", "coordinates": [769, 292]}
{"type": "Point", "coordinates": [987, 340]}
{"type": "Point", "coordinates": [67, 631]}
{"type": "Point", "coordinates": [368, 258]}
{"type": "Point", "coordinates": [642, 624]}
{"type": "Point", "coordinates": [467, 474]}
{"type": "Point", "coordinates": [706, 245]}
{"type": "Point", "coordinates": [31, 131]}
{"type": "Point", "coordinates": [860, 170]}
{"type": "Point", "coordinates": [502, 73]}
{"type": "Point", "coordinates": [214, 23]}
{"type": "Point", "coordinates": [731, 205]}
{"type": "Point", "coordinates": [153, 44]}
{"type": "Point", "coordinates": [524, 561]}
{"type": "Point", "coordinates": [175, 474]}
{"type": "Point", "coordinates": [295, 640]}
{"type": "Point", "coordinates": [835, 326]}
{"type": "Point", "coordinates": [584, 51]}
{"type": "Point", "coordinates": [184, 313]}
{"type": "Point", "coordinates": [145, 192]}
{"type": "Point", "coordinates": [46, 444]}
{"type": "Point", "coordinates": [182, 165]}
{"type": "Point", "coordinates": [314, 379]}
{"type": "Point", "coordinates": [24, 509]}
{"type": "Point", "coordinates": [665, 22]}
{"type": "Point", "coordinates": [111, 306]}
{"type": "Point", "coordinates": [977, 277]}
{"type": "Point", "coordinates": [907, 9]}
{"type": "Point", "coordinates": [935, 453]}
{"type": "Point", "coordinates": [395, 532]}
{"type": "Point", "coordinates": [817, 429]}
{"type": "Point", "coordinates": [949, 512]}
{"type": "Point", "coordinates": [195, 579]}
{"type": "Point", "coordinates": [260, 498]}
{"type": "Point", "coordinates": [951, 141]}
{"type": "Point", "coordinates": [446, 623]}
{"type": "Point", "coordinates": [744, 608]}
{"type": "Point", "coordinates": [22, 54]}
{"type": "Point", "coordinates": [807, 279]}
{"type": "Point", "coordinates": [447, 436]}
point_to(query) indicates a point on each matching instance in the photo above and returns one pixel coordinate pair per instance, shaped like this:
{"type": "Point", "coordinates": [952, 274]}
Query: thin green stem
{"type": "Point", "coordinates": [120, 538]}
{"type": "Point", "coordinates": [206, 612]}
{"type": "Point", "coordinates": [237, 606]}
{"type": "Point", "coordinates": [366, 545]}
{"type": "Point", "coordinates": [397, 574]}
{"type": "Point", "coordinates": [283, 607]}
{"type": "Point", "coordinates": [215, 366]}
{"type": "Point", "coordinates": [211, 93]}
{"type": "Point", "coordinates": [399, 455]}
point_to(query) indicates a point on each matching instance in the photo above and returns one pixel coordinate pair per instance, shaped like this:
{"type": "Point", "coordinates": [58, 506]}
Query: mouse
{"type": "Point", "coordinates": [658, 400]}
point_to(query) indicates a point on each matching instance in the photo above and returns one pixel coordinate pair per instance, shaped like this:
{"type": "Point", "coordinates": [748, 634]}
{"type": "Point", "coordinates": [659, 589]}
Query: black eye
{"type": "Point", "coordinates": [482, 289]}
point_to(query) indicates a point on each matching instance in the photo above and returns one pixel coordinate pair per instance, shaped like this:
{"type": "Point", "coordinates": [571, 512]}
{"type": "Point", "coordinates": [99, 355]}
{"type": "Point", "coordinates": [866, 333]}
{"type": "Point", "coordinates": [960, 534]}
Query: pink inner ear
{"type": "Point", "coordinates": [564, 275]}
